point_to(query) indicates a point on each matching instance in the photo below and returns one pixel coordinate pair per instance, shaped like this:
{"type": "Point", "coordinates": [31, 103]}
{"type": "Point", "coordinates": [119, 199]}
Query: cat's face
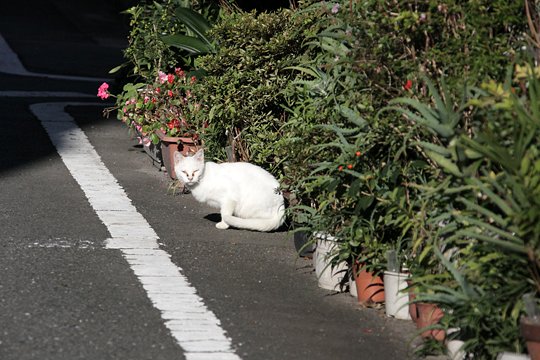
{"type": "Point", "coordinates": [189, 169]}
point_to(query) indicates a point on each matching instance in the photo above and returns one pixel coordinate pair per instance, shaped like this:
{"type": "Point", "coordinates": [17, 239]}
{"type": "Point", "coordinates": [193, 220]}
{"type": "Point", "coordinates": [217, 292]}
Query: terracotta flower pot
{"type": "Point", "coordinates": [530, 331]}
{"type": "Point", "coordinates": [413, 311]}
{"type": "Point", "coordinates": [428, 315]}
{"type": "Point", "coordinates": [171, 144]}
{"type": "Point", "coordinates": [370, 288]}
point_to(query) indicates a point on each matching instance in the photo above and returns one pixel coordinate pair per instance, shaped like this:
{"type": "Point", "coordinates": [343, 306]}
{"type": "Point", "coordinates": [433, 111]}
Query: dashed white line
{"type": "Point", "coordinates": [196, 328]}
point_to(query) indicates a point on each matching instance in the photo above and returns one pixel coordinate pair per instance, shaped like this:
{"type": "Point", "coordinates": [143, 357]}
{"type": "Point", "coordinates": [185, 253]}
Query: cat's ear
{"type": "Point", "coordinates": [199, 155]}
{"type": "Point", "coordinates": [178, 157]}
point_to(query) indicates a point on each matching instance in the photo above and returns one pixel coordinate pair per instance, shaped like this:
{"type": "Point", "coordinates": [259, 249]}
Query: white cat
{"type": "Point", "coordinates": [248, 196]}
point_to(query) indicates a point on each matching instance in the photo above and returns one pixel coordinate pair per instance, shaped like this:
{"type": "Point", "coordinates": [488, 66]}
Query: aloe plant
{"type": "Point", "coordinates": [489, 187]}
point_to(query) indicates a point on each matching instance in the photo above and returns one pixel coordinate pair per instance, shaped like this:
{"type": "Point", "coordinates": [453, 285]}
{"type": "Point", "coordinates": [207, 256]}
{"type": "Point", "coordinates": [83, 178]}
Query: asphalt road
{"type": "Point", "coordinates": [65, 295]}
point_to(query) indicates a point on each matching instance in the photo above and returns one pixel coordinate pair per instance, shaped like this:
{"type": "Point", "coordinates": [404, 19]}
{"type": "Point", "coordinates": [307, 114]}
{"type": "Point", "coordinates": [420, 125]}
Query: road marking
{"type": "Point", "coordinates": [196, 328]}
{"type": "Point", "coordinates": [10, 64]}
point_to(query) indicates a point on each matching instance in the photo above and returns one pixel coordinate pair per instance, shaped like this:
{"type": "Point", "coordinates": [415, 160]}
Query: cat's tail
{"type": "Point", "coordinates": [268, 224]}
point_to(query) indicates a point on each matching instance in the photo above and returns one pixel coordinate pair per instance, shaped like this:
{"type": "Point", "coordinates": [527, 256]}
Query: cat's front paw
{"type": "Point", "coordinates": [222, 225]}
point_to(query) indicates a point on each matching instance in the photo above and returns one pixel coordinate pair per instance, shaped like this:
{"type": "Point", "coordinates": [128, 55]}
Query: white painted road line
{"type": "Point", "coordinates": [10, 64]}
{"type": "Point", "coordinates": [196, 328]}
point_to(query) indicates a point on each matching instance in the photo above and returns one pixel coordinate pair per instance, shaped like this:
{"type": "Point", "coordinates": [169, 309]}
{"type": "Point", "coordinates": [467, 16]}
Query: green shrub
{"type": "Point", "coordinates": [150, 23]}
{"type": "Point", "coordinates": [243, 83]}
{"type": "Point", "coordinates": [146, 54]}
{"type": "Point", "coordinates": [366, 53]}
{"type": "Point", "coordinates": [491, 186]}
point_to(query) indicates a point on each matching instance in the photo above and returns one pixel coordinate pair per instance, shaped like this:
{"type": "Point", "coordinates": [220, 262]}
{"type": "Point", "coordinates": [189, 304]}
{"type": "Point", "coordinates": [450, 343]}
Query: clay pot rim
{"type": "Point", "coordinates": [174, 139]}
{"type": "Point", "coordinates": [530, 330]}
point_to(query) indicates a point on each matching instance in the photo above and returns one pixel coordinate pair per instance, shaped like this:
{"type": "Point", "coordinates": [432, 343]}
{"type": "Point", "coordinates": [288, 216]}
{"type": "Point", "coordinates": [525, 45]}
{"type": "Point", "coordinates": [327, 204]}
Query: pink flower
{"type": "Point", "coordinates": [335, 8]}
{"type": "Point", "coordinates": [170, 93]}
{"type": "Point", "coordinates": [146, 99]}
{"type": "Point", "coordinates": [103, 92]}
{"type": "Point", "coordinates": [162, 77]}
{"type": "Point", "coordinates": [179, 72]}
{"type": "Point", "coordinates": [193, 79]}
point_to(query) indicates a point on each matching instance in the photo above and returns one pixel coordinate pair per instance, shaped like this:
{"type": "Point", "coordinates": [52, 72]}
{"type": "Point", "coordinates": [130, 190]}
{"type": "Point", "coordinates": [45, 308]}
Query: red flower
{"type": "Point", "coordinates": [193, 79]}
{"type": "Point", "coordinates": [170, 93]}
{"type": "Point", "coordinates": [358, 153]}
{"type": "Point", "coordinates": [173, 124]}
{"type": "Point", "coordinates": [179, 72]}
{"type": "Point", "coordinates": [349, 166]}
{"type": "Point", "coordinates": [170, 78]}
{"type": "Point", "coordinates": [340, 168]}
{"type": "Point", "coordinates": [408, 85]}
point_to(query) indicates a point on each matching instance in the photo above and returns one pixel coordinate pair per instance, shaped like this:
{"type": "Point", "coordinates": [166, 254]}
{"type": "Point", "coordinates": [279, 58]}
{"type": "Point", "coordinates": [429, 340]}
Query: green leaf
{"type": "Point", "coordinates": [482, 210]}
{"type": "Point", "coordinates": [118, 68]}
{"type": "Point", "coordinates": [435, 148]}
{"type": "Point", "coordinates": [307, 70]}
{"type": "Point", "coordinates": [431, 122]}
{"type": "Point", "coordinates": [189, 43]}
{"type": "Point", "coordinates": [517, 247]}
{"type": "Point", "coordinates": [352, 116]}
{"type": "Point", "coordinates": [445, 163]}
{"type": "Point", "coordinates": [195, 22]}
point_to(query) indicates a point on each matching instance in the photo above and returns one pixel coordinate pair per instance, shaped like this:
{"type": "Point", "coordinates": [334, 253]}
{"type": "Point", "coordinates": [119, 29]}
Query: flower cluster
{"type": "Point", "coordinates": [166, 105]}
{"type": "Point", "coordinates": [350, 166]}
{"type": "Point", "coordinates": [103, 91]}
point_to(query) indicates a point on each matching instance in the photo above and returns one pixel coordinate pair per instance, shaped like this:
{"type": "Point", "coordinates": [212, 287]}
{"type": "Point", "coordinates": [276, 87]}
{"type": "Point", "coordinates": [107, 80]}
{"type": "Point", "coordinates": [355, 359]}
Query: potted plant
{"type": "Point", "coordinates": [330, 271]}
{"type": "Point", "coordinates": [396, 299]}
{"type": "Point", "coordinates": [162, 113]}
{"type": "Point", "coordinates": [530, 325]}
